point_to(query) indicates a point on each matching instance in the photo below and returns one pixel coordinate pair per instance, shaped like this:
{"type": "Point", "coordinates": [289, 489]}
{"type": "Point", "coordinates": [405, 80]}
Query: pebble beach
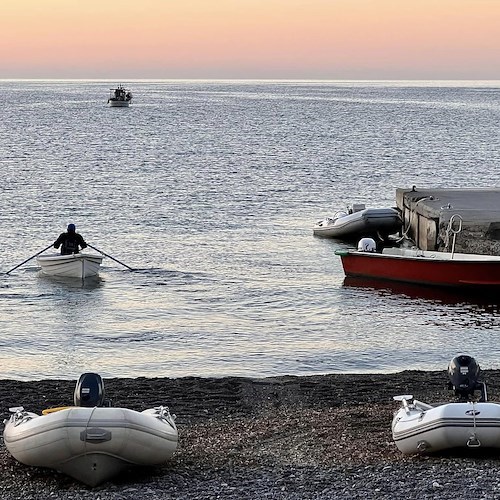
{"type": "Point", "coordinates": [291, 437]}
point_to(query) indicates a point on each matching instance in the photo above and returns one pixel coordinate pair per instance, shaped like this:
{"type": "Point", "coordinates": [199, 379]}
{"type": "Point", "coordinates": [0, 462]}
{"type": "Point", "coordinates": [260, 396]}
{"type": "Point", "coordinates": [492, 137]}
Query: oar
{"type": "Point", "coordinates": [112, 258]}
{"type": "Point", "coordinates": [32, 257]}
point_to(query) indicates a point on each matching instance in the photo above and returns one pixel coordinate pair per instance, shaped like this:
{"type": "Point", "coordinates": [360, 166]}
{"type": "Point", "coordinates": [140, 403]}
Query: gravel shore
{"type": "Point", "coordinates": [316, 437]}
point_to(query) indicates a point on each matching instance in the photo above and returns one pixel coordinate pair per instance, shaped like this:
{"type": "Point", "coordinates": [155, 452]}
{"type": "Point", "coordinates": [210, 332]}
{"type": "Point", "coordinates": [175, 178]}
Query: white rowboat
{"type": "Point", "coordinates": [77, 265]}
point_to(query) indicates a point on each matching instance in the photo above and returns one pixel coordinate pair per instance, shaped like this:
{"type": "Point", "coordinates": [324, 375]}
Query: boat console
{"type": "Point", "coordinates": [89, 391]}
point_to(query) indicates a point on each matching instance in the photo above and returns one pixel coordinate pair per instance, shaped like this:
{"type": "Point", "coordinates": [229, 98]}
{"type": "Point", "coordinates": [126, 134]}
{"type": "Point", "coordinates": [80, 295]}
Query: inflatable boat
{"type": "Point", "coordinates": [91, 442]}
{"type": "Point", "coordinates": [358, 222]}
{"type": "Point", "coordinates": [469, 423]}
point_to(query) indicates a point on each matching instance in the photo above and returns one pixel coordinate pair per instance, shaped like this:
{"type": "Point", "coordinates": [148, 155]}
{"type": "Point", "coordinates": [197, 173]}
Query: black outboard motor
{"type": "Point", "coordinates": [89, 391]}
{"type": "Point", "coordinates": [464, 372]}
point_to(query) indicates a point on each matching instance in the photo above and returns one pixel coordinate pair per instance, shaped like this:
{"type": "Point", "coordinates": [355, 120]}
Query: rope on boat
{"type": "Point", "coordinates": [473, 441]}
{"type": "Point", "coordinates": [85, 434]}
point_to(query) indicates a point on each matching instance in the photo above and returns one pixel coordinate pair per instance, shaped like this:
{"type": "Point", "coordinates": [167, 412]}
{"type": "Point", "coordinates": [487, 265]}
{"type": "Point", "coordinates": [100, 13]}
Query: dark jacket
{"type": "Point", "coordinates": [70, 243]}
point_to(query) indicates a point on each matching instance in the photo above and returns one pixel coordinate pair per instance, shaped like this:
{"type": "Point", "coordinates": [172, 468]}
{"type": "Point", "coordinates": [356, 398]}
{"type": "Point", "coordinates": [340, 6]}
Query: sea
{"type": "Point", "coordinates": [203, 195]}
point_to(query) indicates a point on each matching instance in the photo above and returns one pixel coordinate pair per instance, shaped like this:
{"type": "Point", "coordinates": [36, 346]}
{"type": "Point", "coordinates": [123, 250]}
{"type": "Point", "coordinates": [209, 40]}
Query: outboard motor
{"type": "Point", "coordinates": [367, 245]}
{"type": "Point", "coordinates": [464, 372]}
{"type": "Point", "coordinates": [89, 391]}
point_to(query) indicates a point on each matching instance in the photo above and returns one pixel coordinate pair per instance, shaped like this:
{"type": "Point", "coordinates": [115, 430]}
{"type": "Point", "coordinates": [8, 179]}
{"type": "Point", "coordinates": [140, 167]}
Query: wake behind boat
{"type": "Point", "coordinates": [89, 441]}
{"type": "Point", "coordinates": [422, 267]}
{"type": "Point", "coordinates": [76, 265]}
{"type": "Point", "coordinates": [358, 222]}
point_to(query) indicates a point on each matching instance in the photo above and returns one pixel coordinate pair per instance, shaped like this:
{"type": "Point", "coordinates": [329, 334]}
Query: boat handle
{"type": "Point", "coordinates": [163, 413]}
{"type": "Point", "coordinates": [95, 435]}
{"type": "Point", "coordinates": [473, 442]}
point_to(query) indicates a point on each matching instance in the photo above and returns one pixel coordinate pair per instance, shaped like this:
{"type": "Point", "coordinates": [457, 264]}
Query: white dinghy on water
{"type": "Point", "coordinates": [469, 423]}
{"type": "Point", "coordinates": [76, 265]}
{"type": "Point", "coordinates": [70, 263]}
{"type": "Point", "coordinates": [89, 441]}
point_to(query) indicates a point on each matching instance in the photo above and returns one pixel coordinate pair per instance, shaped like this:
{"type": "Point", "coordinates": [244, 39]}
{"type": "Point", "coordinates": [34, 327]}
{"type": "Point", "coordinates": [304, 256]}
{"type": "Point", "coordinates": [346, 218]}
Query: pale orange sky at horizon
{"type": "Point", "coordinates": [268, 39]}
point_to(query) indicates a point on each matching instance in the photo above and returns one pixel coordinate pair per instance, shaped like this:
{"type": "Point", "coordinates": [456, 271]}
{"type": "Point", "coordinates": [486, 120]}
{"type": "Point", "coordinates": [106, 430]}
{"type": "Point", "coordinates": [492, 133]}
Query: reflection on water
{"type": "Point", "coordinates": [443, 295]}
{"type": "Point", "coordinates": [89, 283]}
{"type": "Point", "coordinates": [216, 222]}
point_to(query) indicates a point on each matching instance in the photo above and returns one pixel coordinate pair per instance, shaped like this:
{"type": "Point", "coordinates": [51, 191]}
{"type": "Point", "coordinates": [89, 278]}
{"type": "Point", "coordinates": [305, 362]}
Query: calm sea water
{"type": "Point", "coordinates": [210, 191]}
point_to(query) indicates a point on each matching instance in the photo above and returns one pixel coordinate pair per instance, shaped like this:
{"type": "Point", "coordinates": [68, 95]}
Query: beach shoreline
{"type": "Point", "coordinates": [319, 436]}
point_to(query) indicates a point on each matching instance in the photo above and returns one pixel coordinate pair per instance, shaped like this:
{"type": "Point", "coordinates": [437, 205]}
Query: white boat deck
{"type": "Point", "coordinates": [407, 252]}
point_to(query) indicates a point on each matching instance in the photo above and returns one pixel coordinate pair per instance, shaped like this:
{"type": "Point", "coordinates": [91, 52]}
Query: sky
{"type": "Point", "coordinates": [251, 39]}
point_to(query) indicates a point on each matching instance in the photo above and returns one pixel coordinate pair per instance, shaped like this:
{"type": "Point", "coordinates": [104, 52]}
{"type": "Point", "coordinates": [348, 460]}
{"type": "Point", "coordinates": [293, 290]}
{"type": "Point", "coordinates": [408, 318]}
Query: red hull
{"type": "Point", "coordinates": [452, 273]}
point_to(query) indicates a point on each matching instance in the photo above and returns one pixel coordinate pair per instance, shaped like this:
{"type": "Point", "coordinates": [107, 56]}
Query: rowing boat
{"type": "Point", "coordinates": [77, 265]}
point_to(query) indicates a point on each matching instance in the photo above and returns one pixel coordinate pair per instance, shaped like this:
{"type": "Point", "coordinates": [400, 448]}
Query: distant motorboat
{"type": "Point", "coordinates": [120, 97]}
{"type": "Point", "coordinates": [359, 222]}
{"type": "Point", "coordinates": [76, 265]}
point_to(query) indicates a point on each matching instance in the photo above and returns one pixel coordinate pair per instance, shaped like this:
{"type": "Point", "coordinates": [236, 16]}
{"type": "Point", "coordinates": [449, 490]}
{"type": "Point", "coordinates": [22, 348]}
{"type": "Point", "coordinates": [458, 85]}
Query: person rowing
{"type": "Point", "coordinates": [70, 241]}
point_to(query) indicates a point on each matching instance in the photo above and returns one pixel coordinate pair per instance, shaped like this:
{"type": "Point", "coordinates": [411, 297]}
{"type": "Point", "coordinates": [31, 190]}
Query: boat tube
{"type": "Point", "coordinates": [91, 441]}
{"type": "Point", "coordinates": [358, 222]}
{"type": "Point", "coordinates": [471, 422]}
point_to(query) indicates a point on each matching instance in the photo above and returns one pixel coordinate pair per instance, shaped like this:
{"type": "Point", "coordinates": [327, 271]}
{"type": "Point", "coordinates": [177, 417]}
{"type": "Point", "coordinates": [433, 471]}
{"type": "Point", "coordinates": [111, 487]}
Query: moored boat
{"type": "Point", "coordinates": [358, 222]}
{"type": "Point", "coordinates": [76, 265]}
{"type": "Point", "coordinates": [91, 442]}
{"type": "Point", "coordinates": [469, 423]}
{"type": "Point", "coordinates": [422, 267]}
{"type": "Point", "coordinates": [120, 97]}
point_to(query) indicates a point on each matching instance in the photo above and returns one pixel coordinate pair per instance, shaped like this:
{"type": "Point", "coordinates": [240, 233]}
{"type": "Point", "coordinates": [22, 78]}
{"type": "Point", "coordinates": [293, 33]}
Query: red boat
{"type": "Point", "coordinates": [424, 267]}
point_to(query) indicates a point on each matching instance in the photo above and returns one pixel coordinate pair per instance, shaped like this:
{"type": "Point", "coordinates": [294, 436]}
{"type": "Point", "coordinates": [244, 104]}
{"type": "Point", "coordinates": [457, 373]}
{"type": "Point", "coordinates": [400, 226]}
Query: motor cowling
{"type": "Point", "coordinates": [464, 373]}
{"type": "Point", "coordinates": [367, 245]}
{"type": "Point", "coordinates": [89, 390]}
